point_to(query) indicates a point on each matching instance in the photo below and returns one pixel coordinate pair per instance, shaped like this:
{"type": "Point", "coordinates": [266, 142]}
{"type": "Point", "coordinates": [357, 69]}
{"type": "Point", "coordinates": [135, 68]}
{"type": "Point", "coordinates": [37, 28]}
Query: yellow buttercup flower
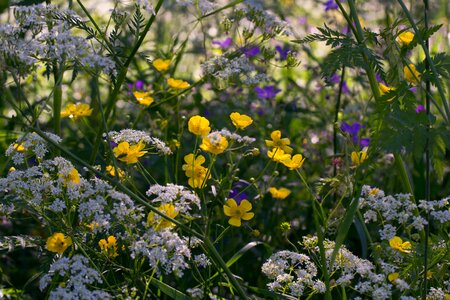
{"type": "Point", "coordinates": [58, 243]}
{"type": "Point", "coordinates": [19, 147]}
{"type": "Point", "coordinates": [109, 246]}
{"type": "Point", "coordinates": [214, 143]}
{"type": "Point", "coordinates": [278, 155]}
{"type": "Point", "coordinates": [169, 210]}
{"type": "Point", "coordinates": [295, 162]}
{"type": "Point", "coordinates": [392, 277]}
{"type": "Point", "coordinates": [12, 169]}
{"type": "Point", "coordinates": [281, 193]}
{"type": "Point", "coordinates": [161, 64]}
{"type": "Point", "coordinates": [238, 212]}
{"type": "Point", "coordinates": [129, 154]}
{"type": "Point", "coordinates": [398, 244]}
{"type": "Point", "coordinates": [195, 171]}
{"type": "Point", "coordinates": [359, 157]}
{"type": "Point", "coordinates": [240, 121]}
{"type": "Point", "coordinates": [177, 84]}
{"type": "Point", "coordinates": [111, 171]}
{"type": "Point", "coordinates": [411, 74]}
{"type": "Point", "coordinates": [199, 125]}
{"type": "Point", "coordinates": [74, 111]}
{"type": "Point", "coordinates": [278, 142]}
{"type": "Point", "coordinates": [143, 98]}
{"type": "Point", "coordinates": [384, 89]}
{"type": "Point", "coordinates": [72, 177]}
{"type": "Point", "coordinates": [405, 38]}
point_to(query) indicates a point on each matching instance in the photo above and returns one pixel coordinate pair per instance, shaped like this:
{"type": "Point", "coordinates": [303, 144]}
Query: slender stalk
{"type": "Point", "coordinates": [336, 116]}
{"type": "Point", "coordinates": [427, 160]}
{"type": "Point", "coordinates": [57, 101]}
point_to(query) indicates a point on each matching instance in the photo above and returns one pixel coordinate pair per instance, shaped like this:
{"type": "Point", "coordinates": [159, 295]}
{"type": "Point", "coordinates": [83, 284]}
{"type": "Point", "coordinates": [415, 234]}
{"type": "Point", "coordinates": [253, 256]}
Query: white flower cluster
{"type": "Point", "coordinates": [292, 273]}
{"type": "Point", "coordinates": [352, 270]}
{"type": "Point", "coordinates": [135, 136]}
{"type": "Point", "coordinates": [238, 69]}
{"type": "Point", "coordinates": [41, 34]}
{"type": "Point", "coordinates": [202, 260]}
{"type": "Point", "coordinates": [399, 209]}
{"type": "Point", "coordinates": [32, 144]}
{"type": "Point", "coordinates": [179, 196]}
{"type": "Point", "coordinates": [246, 140]}
{"type": "Point", "coordinates": [47, 186]}
{"type": "Point", "coordinates": [264, 19]}
{"type": "Point", "coordinates": [205, 6]}
{"type": "Point", "coordinates": [164, 249]}
{"type": "Point", "coordinates": [79, 277]}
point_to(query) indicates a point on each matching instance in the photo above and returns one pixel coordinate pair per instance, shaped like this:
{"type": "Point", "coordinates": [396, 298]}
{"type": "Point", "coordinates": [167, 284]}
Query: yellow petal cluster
{"type": "Point", "coordinates": [72, 177]}
{"type": "Point", "coordinates": [195, 171]}
{"type": "Point", "coordinates": [398, 244]}
{"type": "Point", "coordinates": [112, 171]}
{"type": "Point", "coordinates": [177, 84]}
{"type": "Point", "coordinates": [58, 243]}
{"type": "Point", "coordinates": [161, 64]}
{"type": "Point", "coordinates": [405, 38]}
{"type": "Point", "coordinates": [214, 143]}
{"type": "Point", "coordinates": [292, 162]}
{"type": "Point", "coordinates": [240, 121]}
{"type": "Point", "coordinates": [169, 210]}
{"type": "Point", "coordinates": [199, 125]}
{"type": "Point", "coordinates": [411, 74]}
{"type": "Point", "coordinates": [278, 142]}
{"type": "Point", "coordinates": [143, 98]}
{"type": "Point", "coordinates": [280, 194]}
{"type": "Point", "coordinates": [359, 157]}
{"type": "Point", "coordinates": [19, 147]}
{"type": "Point", "coordinates": [74, 111]}
{"type": "Point", "coordinates": [129, 154]}
{"type": "Point", "coordinates": [238, 212]}
{"type": "Point", "coordinates": [109, 246]}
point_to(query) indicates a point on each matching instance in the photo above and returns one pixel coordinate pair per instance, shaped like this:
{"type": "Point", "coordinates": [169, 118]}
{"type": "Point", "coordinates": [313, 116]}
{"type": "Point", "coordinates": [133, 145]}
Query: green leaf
{"type": "Point", "coordinates": [344, 227]}
{"type": "Point", "coordinates": [241, 252]}
{"type": "Point", "coordinates": [270, 294]}
{"type": "Point", "coordinates": [169, 291]}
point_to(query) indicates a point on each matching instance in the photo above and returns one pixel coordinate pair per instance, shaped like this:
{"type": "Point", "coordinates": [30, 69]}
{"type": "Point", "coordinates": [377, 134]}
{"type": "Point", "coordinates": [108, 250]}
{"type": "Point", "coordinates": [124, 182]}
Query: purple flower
{"type": "Point", "coordinates": [345, 89]}
{"type": "Point", "coordinates": [351, 129]}
{"type": "Point", "coordinates": [302, 20]}
{"type": "Point", "coordinates": [267, 92]}
{"type": "Point", "coordinates": [420, 108]}
{"type": "Point", "coordinates": [364, 143]}
{"type": "Point", "coordinates": [335, 78]}
{"type": "Point", "coordinates": [137, 86]}
{"type": "Point", "coordinates": [330, 5]}
{"type": "Point", "coordinates": [113, 144]}
{"type": "Point", "coordinates": [413, 89]}
{"type": "Point", "coordinates": [223, 44]}
{"type": "Point", "coordinates": [236, 192]}
{"type": "Point", "coordinates": [378, 77]}
{"type": "Point", "coordinates": [250, 52]}
{"type": "Point", "coordinates": [282, 51]}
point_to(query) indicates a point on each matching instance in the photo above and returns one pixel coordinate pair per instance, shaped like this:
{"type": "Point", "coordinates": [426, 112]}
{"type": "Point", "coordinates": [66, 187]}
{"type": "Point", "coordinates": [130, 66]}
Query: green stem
{"type": "Point", "coordinates": [57, 102]}
{"type": "Point", "coordinates": [427, 161]}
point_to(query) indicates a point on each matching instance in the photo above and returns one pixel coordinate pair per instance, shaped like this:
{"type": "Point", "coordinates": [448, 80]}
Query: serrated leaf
{"type": "Point", "coordinates": [169, 291]}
